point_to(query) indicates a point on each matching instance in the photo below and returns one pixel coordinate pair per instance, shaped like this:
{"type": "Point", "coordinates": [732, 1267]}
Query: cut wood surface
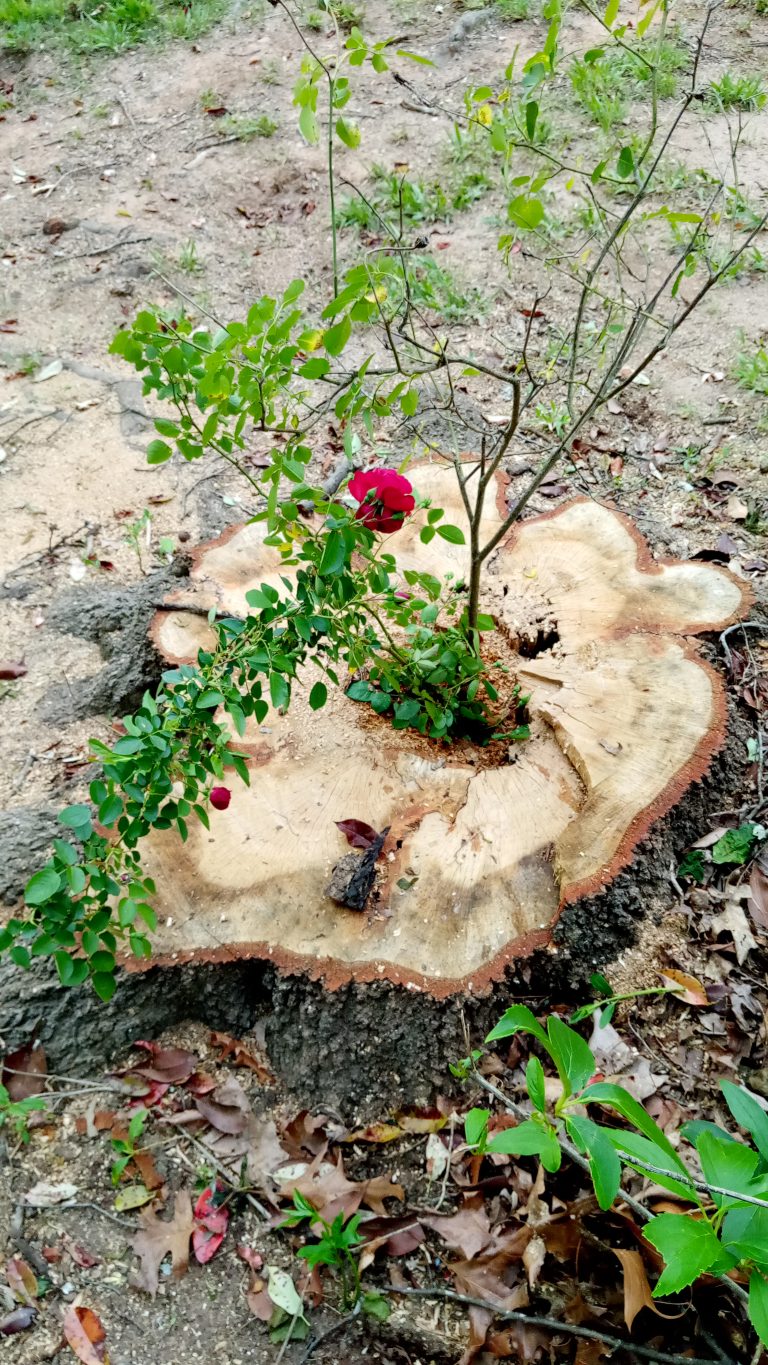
{"type": "Point", "coordinates": [479, 860]}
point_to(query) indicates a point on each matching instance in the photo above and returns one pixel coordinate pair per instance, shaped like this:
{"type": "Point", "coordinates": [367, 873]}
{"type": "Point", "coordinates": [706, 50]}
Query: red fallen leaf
{"type": "Point", "coordinates": [357, 833]}
{"type": "Point", "coordinates": [9, 325]}
{"type": "Point", "coordinates": [442, 246]}
{"type": "Point", "coordinates": [258, 1300]}
{"type": "Point", "coordinates": [211, 1223]}
{"type": "Point", "coordinates": [17, 1321]}
{"type": "Point", "coordinates": [168, 1065]}
{"type": "Point", "coordinates": [531, 312]}
{"type": "Point", "coordinates": [21, 1070]}
{"type": "Point", "coordinates": [251, 1257]}
{"type": "Point", "coordinates": [86, 1336]}
{"type": "Point", "coordinates": [9, 671]}
{"type": "Point", "coordinates": [79, 1254]}
{"type": "Point", "coordinates": [218, 111]}
{"type": "Point", "coordinates": [52, 1255]}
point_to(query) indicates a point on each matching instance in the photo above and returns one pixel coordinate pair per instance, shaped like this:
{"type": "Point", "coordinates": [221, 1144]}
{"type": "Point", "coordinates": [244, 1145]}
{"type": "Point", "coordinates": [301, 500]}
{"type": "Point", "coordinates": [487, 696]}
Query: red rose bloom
{"type": "Point", "coordinates": [220, 797]}
{"type": "Point", "coordinates": [385, 498]}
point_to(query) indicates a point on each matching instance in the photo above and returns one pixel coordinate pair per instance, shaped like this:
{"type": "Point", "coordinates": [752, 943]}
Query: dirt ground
{"type": "Point", "coordinates": [117, 189]}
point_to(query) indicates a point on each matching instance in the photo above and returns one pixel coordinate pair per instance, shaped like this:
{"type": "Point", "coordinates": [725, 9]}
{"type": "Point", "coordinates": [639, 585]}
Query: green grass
{"type": "Point", "coordinates": [393, 196]}
{"type": "Point", "coordinates": [746, 93]}
{"type": "Point", "coordinates": [513, 10]}
{"type": "Point", "coordinates": [752, 370]}
{"type": "Point", "coordinates": [110, 26]}
{"type": "Point", "coordinates": [605, 85]}
{"type": "Point", "coordinates": [246, 127]}
{"type": "Point", "coordinates": [436, 290]}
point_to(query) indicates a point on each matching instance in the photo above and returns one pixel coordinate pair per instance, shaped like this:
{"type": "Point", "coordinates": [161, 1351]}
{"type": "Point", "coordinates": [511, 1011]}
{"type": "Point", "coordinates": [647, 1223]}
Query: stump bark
{"type": "Point", "coordinates": [480, 860]}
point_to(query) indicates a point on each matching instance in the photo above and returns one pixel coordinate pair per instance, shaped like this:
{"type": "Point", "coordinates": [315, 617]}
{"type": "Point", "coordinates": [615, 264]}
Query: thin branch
{"type": "Point", "coordinates": [552, 1325]}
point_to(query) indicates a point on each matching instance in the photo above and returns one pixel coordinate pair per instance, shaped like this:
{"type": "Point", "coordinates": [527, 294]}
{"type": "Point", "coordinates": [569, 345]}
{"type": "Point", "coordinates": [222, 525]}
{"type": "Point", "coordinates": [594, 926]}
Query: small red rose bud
{"type": "Point", "coordinates": [220, 797]}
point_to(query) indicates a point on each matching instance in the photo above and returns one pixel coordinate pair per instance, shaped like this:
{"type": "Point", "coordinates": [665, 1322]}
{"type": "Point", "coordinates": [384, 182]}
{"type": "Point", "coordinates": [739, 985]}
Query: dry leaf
{"type": "Point", "coordinates": [30, 1059]}
{"type": "Point", "coordinates": [86, 1336]}
{"type": "Point", "coordinates": [736, 508]}
{"type": "Point", "coordinates": [236, 1052]}
{"type": "Point", "coordinates": [757, 905]}
{"type": "Point", "coordinates": [44, 1195]}
{"type": "Point", "coordinates": [226, 1108]}
{"type": "Point", "coordinates": [685, 987]}
{"type": "Point", "coordinates": [733, 921]}
{"type": "Point", "coordinates": [495, 1275]}
{"type": "Point", "coordinates": [22, 1280]}
{"type": "Point", "coordinates": [421, 1120]}
{"type": "Point", "coordinates": [468, 1231]}
{"type": "Point", "coordinates": [533, 1259]}
{"type": "Point", "coordinates": [159, 1238]}
{"type": "Point", "coordinates": [169, 1065]}
{"type": "Point", "coordinates": [637, 1291]}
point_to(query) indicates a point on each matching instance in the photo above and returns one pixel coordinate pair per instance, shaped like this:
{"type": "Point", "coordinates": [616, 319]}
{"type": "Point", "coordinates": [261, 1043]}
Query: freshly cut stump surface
{"type": "Point", "coordinates": [479, 860]}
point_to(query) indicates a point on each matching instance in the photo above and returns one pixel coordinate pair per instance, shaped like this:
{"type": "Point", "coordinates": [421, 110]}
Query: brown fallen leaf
{"type": "Point", "coordinates": [21, 1071]}
{"type": "Point", "coordinates": [232, 1050]}
{"type": "Point", "coordinates": [420, 1120]}
{"type": "Point", "coordinates": [495, 1275]}
{"type": "Point", "coordinates": [226, 1108]}
{"type": "Point", "coordinates": [736, 508]}
{"type": "Point", "coordinates": [86, 1336]}
{"type": "Point", "coordinates": [533, 1259]}
{"type": "Point", "coordinates": [732, 920]}
{"type": "Point", "coordinates": [637, 1291]}
{"type": "Point", "coordinates": [9, 671]}
{"type": "Point", "coordinates": [468, 1231]}
{"type": "Point", "coordinates": [375, 1132]}
{"type": "Point", "coordinates": [685, 987]}
{"type": "Point", "coordinates": [305, 1134]}
{"type": "Point", "coordinates": [326, 1186]}
{"type": "Point", "coordinates": [400, 1236]}
{"type": "Point", "coordinates": [22, 1281]}
{"type": "Point", "coordinates": [159, 1238]}
{"type": "Point", "coordinates": [757, 905]}
{"type": "Point", "coordinates": [79, 1254]}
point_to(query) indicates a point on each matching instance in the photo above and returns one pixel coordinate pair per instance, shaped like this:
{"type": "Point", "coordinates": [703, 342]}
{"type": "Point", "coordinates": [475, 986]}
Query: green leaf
{"type": "Point", "coordinates": [348, 132]}
{"type": "Point", "coordinates": [42, 886]}
{"type": "Point", "coordinates": [166, 428]}
{"type": "Point", "coordinates": [748, 1114]}
{"type": "Point", "coordinates": [110, 810]}
{"type": "Point", "coordinates": [735, 845]}
{"type": "Point", "coordinates": [414, 57]}
{"type": "Point", "coordinates": [531, 115]}
{"type": "Point", "coordinates": [534, 1080]}
{"type": "Point", "coordinates": [616, 1097]}
{"type": "Point", "coordinates": [318, 696]}
{"type": "Point", "coordinates": [334, 556]}
{"type": "Point", "coordinates": [745, 1234]}
{"type": "Point", "coordinates": [689, 1246]}
{"type": "Point", "coordinates": [158, 452]}
{"type": "Point", "coordinates": [571, 1054]}
{"type": "Point", "coordinates": [409, 402]}
{"type": "Point", "coordinates": [336, 338]}
{"type": "Point", "coordinates": [625, 165]}
{"type": "Point", "coordinates": [514, 1019]}
{"type": "Point", "coordinates": [279, 690]}
{"type": "Point", "coordinates": [611, 13]}
{"type": "Point", "coordinates": [76, 817]}
{"type": "Point", "coordinates": [475, 1126]}
{"type": "Point", "coordinates": [105, 985]}
{"type": "Point", "coordinates": [730, 1164]}
{"type": "Point", "coordinates": [426, 534]}
{"type": "Point", "coordinates": [525, 211]}
{"type": "Point", "coordinates": [376, 1306]}
{"type": "Point", "coordinates": [631, 1145]}
{"type": "Point", "coordinates": [758, 1305]}
{"type": "Point", "coordinates": [308, 125]}
{"type": "Point", "coordinates": [604, 1163]}
{"type": "Point", "coordinates": [453, 534]}
{"type": "Point", "coordinates": [527, 1139]}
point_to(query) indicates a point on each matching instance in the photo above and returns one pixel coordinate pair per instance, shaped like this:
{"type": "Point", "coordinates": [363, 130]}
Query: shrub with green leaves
{"type": "Point", "coordinates": [726, 1228]}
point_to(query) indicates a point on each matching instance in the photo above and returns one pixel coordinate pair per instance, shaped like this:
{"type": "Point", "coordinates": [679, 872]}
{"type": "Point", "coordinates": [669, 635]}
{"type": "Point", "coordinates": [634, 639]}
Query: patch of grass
{"type": "Point", "coordinates": [606, 85]}
{"type": "Point", "coordinates": [246, 127]}
{"type": "Point", "coordinates": [271, 71]}
{"type": "Point", "coordinates": [599, 92]}
{"type": "Point", "coordinates": [189, 261]}
{"type": "Point", "coordinates": [397, 199]}
{"type": "Point", "coordinates": [751, 370]}
{"type": "Point", "coordinates": [111, 26]}
{"type": "Point", "coordinates": [746, 93]}
{"type": "Point", "coordinates": [513, 10]}
{"type": "Point", "coordinates": [437, 290]}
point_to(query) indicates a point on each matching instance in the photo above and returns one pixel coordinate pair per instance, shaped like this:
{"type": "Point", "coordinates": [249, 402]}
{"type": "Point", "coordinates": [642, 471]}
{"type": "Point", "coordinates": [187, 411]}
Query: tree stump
{"type": "Point", "coordinates": [481, 858]}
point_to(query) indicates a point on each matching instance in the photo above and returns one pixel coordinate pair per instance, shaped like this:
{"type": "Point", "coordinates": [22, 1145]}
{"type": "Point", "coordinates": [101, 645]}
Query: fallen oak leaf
{"type": "Point", "coordinates": [236, 1052]}
{"type": "Point", "coordinates": [468, 1231]}
{"type": "Point", "coordinates": [159, 1238]}
{"type": "Point", "coordinates": [85, 1334]}
{"type": "Point", "coordinates": [79, 1254]}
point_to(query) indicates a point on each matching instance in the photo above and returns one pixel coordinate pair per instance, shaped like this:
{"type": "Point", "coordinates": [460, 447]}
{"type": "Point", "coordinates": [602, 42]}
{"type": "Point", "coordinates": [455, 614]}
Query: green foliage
{"type": "Point", "coordinates": [513, 10]}
{"type": "Point", "coordinates": [335, 1246]}
{"type": "Point", "coordinates": [128, 1147]}
{"type": "Point", "coordinates": [246, 127]}
{"type": "Point", "coordinates": [113, 26]}
{"type": "Point", "coordinates": [741, 92]}
{"type": "Point", "coordinates": [396, 200]}
{"type": "Point", "coordinates": [736, 845]}
{"type": "Point", "coordinates": [14, 1113]}
{"type": "Point", "coordinates": [752, 370]}
{"type": "Point", "coordinates": [730, 1229]}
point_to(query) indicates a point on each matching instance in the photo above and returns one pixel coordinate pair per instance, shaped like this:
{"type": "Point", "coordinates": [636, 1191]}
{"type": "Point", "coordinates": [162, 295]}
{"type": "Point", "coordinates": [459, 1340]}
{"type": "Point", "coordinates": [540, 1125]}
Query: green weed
{"type": "Point", "coordinates": [246, 127]}
{"type": "Point", "coordinates": [396, 199]}
{"type": "Point", "coordinates": [745, 93]}
{"type": "Point", "coordinates": [112, 26]}
{"type": "Point", "coordinates": [513, 10]}
{"type": "Point", "coordinates": [751, 370]}
{"type": "Point", "coordinates": [436, 289]}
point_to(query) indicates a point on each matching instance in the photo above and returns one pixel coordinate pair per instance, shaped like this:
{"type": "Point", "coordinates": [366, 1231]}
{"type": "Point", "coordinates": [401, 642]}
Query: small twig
{"type": "Point", "coordinates": [227, 1175]}
{"type": "Point", "coordinates": [740, 625]}
{"type": "Point", "coordinates": [107, 1213]}
{"type": "Point", "coordinates": [552, 1325]}
{"type": "Point", "coordinates": [689, 1180]}
{"type": "Point", "coordinates": [317, 1342]}
{"type": "Point", "coordinates": [120, 97]}
{"type": "Point", "coordinates": [102, 250]}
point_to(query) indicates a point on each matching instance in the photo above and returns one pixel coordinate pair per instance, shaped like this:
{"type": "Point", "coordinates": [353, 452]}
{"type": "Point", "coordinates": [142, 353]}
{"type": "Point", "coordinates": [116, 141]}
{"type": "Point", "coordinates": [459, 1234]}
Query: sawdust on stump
{"type": "Point", "coordinates": [480, 858]}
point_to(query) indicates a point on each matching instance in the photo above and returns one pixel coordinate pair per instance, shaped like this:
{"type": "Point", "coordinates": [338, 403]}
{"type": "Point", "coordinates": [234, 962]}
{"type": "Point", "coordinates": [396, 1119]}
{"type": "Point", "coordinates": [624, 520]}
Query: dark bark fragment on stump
{"type": "Point", "coordinates": [353, 876]}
